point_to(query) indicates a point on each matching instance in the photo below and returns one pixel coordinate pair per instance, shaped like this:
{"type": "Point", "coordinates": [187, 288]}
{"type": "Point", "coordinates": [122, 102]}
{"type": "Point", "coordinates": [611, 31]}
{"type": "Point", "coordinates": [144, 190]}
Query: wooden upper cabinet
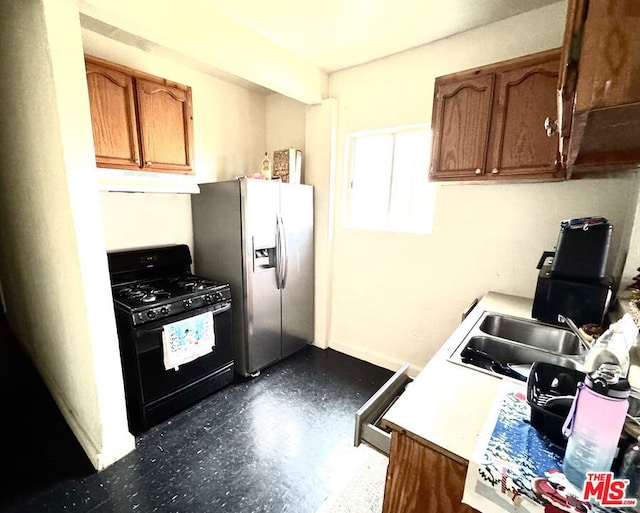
{"type": "Point", "coordinates": [525, 98]}
{"type": "Point", "coordinates": [600, 86]}
{"type": "Point", "coordinates": [113, 117]}
{"type": "Point", "coordinates": [165, 125]}
{"type": "Point", "coordinates": [462, 116]}
{"type": "Point", "coordinates": [139, 121]}
{"type": "Point", "coordinates": [489, 122]}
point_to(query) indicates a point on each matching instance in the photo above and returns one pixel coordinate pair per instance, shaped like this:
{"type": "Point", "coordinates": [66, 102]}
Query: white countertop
{"type": "Point", "coordinates": [446, 405]}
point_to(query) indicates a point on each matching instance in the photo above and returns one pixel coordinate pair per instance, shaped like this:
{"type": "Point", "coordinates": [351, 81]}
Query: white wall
{"type": "Point", "coordinates": [285, 124]}
{"type": "Point", "coordinates": [136, 220]}
{"type": "Point", "coordinates": [54, 267]}
{"type": "Point", "coordinates": [396, 297]}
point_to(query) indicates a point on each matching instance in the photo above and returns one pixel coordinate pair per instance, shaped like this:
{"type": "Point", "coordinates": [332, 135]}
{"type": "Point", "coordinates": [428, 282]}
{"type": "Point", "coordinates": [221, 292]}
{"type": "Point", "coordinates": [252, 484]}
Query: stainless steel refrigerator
{"type": "Point", "coordinates": [257, 235]}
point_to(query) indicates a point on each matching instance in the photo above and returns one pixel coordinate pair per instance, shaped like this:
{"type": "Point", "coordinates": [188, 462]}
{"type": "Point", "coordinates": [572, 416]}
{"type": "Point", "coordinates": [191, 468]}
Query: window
{"type": "Point", "coordinates": [389, 180]}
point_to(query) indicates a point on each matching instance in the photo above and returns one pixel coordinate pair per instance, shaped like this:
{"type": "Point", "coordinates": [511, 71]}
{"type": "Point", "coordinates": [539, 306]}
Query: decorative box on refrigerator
{"type": "Point", "coordinates": [257, 235]}
{"type": "Point", "coordinates": [287, 165]}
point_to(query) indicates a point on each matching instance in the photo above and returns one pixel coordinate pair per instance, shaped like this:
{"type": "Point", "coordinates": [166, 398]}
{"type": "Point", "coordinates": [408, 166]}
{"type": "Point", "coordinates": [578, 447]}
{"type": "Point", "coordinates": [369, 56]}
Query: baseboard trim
{"type": "Point", "coordinates": [321, 345]}
{"type": "Point", "coordinates": [376, 358]}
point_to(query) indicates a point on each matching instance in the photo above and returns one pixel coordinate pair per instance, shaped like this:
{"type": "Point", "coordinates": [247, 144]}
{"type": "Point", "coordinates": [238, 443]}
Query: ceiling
{"type": "Point", "coordinates": [337, 34]}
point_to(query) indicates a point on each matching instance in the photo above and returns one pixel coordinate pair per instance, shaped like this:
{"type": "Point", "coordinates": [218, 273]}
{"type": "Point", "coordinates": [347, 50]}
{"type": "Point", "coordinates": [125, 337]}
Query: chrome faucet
{"type": "Point", "coordinates": [586, 345]}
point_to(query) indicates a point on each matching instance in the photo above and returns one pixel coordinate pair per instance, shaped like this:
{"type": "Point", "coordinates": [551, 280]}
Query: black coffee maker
{"type": "Point", "coordinates": [572, 280]}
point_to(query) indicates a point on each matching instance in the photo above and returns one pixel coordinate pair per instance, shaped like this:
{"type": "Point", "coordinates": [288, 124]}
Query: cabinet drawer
{"type": "Point", "coordinates": [370, 414]}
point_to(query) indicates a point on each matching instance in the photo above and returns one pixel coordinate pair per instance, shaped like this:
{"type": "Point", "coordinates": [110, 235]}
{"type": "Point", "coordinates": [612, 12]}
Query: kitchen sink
{"type": "Point", "coordinates": [507, 346]}
{"type": "Point", "coordinates": [531, 333]}
{"type": "Point", "coordinates": [507, 353]}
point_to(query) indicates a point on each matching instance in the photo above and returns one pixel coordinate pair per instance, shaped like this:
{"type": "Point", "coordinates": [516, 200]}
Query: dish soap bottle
{"type": "Point", "coordinates": [265, 170]}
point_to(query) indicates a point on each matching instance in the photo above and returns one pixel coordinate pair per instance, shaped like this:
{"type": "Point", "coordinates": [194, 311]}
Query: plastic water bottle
{"type": "Point", "coordinates": [594, 424]}
{"type": "Point", "coordinates": [610, 347]}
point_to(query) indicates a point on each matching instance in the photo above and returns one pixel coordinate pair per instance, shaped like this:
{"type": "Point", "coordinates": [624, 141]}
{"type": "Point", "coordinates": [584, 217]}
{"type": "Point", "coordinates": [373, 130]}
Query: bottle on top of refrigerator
{"type": "Point", "coordinates": [265, 169]}
{"type": "Point", "coordinates": [594, 423]}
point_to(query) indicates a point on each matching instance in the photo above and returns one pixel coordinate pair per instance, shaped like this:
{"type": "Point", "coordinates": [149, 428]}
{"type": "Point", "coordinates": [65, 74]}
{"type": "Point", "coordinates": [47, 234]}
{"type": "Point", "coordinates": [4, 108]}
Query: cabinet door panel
{"type": "Point", "coordinates": [462, 115]}
{"type": "Point", "coordinates": [567, 80]}
{"type": "Point", "coordinates": [605, 124]}
{"type": "Point", "coordinates": [419, 479]}
{"type": "Point", "coordinates": [113, 117]}
{"type": "Point", "coordinates": [609, 67]}
{"type": "Point", "coordinates": [165, 126]}
{"type": "Point", "coordinates": [525, 98]}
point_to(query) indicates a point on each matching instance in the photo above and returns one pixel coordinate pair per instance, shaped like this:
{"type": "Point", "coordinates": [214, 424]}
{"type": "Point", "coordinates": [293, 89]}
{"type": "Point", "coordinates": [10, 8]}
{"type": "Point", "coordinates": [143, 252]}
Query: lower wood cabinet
{"type": "Point", "coordinates": [421, 479]}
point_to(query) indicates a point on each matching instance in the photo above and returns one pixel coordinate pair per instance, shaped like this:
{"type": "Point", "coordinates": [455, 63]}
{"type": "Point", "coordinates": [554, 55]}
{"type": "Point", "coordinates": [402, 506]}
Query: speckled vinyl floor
{"type": "Point", "coordinates": [281, 442]}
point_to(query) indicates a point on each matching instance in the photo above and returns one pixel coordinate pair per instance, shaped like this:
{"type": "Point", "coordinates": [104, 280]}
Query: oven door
{"type": "Point", "coordinates": [156, 382]}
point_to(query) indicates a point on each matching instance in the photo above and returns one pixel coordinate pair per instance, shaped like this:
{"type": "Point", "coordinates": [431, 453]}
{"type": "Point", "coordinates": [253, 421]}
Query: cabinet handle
{"type": "Point", "coordinates": [478, 171]}
{"type": "Point", "coordinates": [550, 126]}
{"type": "Point", "coordinates": [148, 163]}
{"type": "Point", "coordinates": [495, 171]}
{"type": "Point", "coordinates": [137, 162]}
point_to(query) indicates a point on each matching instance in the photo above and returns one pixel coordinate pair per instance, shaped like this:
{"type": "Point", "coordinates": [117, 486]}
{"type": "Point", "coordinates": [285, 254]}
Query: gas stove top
{"type": "Point", "coordinates": [152, 292]}
{"type": "Point", "coordinates": [151, 299]}
{"type": "Point", "coordinates": [153, 283]}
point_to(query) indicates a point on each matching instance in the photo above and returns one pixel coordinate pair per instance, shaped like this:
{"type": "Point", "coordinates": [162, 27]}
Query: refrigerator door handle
{"type": "Point", "coordinates": [285, 254]}
{"type": "Point", "coordinates": [278, 253]}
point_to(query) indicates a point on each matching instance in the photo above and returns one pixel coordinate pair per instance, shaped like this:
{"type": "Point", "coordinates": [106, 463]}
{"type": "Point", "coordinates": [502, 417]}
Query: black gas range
{"type": "Point", "coordinates": [156, 295]}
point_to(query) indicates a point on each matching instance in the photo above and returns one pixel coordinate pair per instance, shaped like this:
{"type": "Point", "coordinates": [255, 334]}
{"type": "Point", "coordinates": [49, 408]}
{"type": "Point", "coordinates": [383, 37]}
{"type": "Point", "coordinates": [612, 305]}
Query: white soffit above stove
{"type": "Point", "coordinates": [338, 34]}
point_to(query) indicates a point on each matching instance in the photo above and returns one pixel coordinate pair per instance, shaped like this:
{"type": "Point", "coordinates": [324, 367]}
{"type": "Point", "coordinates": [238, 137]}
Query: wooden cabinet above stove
{"type": "Point", "coordinates": [140, 122]}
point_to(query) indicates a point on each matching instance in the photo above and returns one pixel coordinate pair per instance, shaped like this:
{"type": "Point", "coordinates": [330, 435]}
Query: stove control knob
{"type": "Point", "coordinates": [151, 314]}
{"type": "Point", "coordinates": [219, 296]}
{"type": "Point", "coordinates": [164, 310]}
{"type": "Point", "coordinates": [187, 303]}
{"type": "Point", "coordinates": [208, 298]}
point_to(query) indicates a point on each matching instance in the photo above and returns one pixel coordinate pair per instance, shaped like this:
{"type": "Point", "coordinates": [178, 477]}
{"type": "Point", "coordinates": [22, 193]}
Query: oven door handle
{"type": "Point", "coordinates": [140, 332]}
{"type": "Point", "coordinates": [222, 309]}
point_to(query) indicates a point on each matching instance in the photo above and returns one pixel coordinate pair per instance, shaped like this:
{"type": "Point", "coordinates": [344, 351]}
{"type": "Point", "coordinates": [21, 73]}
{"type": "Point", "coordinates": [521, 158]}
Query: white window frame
{"type": "Point", "coordinates": [425, 226]}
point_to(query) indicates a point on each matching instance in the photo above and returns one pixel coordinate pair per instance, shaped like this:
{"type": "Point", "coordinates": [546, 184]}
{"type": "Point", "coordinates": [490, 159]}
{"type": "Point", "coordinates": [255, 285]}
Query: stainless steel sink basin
{"type": "Point", "coordinates": [513, 354]}
{"type": "Point", "coordinates": [497, 344]}
{"type": "Point", "coordinates": [531, 333]}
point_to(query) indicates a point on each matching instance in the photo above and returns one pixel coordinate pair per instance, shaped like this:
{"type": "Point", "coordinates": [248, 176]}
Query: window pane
{"type": "Point", "coordinates": [389, 187]}
{"type": "Point", "coordinates": [371, 172]}
{"type": "Point", "coordinates": [409, 197]}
